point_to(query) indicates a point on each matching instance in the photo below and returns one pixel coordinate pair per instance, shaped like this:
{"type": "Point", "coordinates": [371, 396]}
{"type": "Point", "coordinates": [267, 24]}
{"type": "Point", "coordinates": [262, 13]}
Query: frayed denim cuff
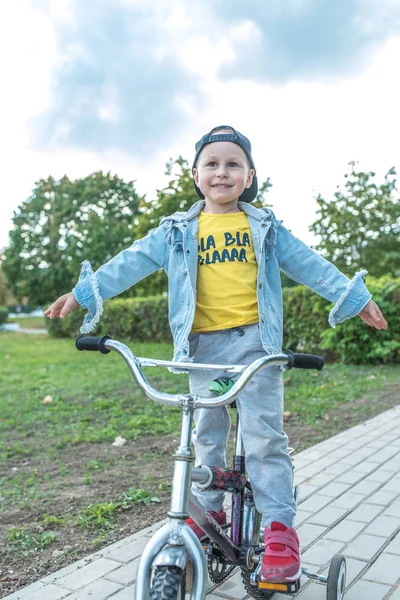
{"type": "Point", "coordinates": [352, 300]}
{"type": "Point", "coordinates": [87, 293]}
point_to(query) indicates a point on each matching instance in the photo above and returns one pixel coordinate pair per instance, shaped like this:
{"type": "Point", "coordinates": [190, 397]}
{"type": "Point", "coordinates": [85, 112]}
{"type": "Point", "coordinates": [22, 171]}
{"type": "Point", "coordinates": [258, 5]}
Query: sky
{"type": "Point", "coordinates": [125, 85]}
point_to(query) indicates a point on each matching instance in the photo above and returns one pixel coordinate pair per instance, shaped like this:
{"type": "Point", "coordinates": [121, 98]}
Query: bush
{"type": "Point", "coordinates": [306, 326]}
{"type": "Point", "coordinates": [355, 342]}
{"type": "Point", "coordinates": [3, 314]}
{"type": "Point", "coordinates": [140, 319]}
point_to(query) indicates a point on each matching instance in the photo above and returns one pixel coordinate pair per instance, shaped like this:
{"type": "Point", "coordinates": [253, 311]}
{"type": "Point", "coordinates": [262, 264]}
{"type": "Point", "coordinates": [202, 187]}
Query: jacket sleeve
{"type": "Point", "coordinates": [307, 267]}
{"type": "Point", "coordinates": [123, 271]}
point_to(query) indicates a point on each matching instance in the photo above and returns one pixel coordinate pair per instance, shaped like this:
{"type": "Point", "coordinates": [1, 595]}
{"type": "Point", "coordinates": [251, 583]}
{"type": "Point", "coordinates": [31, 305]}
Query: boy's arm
{"type": "Point", "coordinates": [307, 267]}
{"type": "Point", "coordinates": [128, 267]}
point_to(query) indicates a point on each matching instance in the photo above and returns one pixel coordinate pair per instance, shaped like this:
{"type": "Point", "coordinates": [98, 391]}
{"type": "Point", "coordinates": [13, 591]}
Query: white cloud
{"type": "Point", "coordinates": [303, 133]}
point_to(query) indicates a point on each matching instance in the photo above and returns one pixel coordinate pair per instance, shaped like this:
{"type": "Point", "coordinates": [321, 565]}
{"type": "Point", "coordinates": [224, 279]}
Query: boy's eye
{"type": "Point", "coordinates": [233, 164]}
{"type": "Point", "coordinates": [212, 163]}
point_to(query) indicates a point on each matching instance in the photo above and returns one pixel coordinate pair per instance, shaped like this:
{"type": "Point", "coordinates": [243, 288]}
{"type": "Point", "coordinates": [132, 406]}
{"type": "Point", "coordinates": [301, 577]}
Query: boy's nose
{"type": "Point", "coordinates": [221, 172]}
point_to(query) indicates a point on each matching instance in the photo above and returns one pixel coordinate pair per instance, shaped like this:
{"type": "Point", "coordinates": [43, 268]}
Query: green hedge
{"type": "Point", "coordinates": [140, 319]}
{"type": "Point", "coordinates": [3, 314]}
{"type": "Point", "coordinates": [306, 326]}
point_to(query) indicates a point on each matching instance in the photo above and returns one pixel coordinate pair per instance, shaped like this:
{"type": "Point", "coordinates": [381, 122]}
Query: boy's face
{"type": "Point", "coordinates": [222, 172]}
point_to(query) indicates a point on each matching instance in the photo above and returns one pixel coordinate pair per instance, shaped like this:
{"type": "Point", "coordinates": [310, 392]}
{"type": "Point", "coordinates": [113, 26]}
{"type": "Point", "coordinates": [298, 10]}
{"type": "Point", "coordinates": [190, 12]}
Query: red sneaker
{"type": "Point", "coordinates": [219, 517]}
{"type": "Point", "coordinates": [281, 561]}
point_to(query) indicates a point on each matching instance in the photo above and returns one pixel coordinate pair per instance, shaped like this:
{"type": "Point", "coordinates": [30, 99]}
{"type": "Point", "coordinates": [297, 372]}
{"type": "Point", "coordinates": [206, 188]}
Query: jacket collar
{"type": "Point", "coordinates": [262, 214]}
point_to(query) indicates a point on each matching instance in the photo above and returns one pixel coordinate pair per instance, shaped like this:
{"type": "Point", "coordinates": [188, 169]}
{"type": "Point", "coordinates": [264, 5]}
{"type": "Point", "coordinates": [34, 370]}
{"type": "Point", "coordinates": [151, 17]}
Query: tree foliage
{"type": "Point", "coordinates": [360, 228]}
{"type": "Point", "coordinates": [63, 223]}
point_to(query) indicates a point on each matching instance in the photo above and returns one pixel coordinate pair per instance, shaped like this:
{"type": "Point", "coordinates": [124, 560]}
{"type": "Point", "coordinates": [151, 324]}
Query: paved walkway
{"type": "Point", "coordinates": [350, 488]}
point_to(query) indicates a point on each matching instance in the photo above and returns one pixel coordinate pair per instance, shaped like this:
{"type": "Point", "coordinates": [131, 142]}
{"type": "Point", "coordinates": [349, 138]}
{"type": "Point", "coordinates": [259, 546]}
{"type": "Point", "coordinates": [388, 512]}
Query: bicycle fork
{"type": "Point", "coordinates": [175, 543]}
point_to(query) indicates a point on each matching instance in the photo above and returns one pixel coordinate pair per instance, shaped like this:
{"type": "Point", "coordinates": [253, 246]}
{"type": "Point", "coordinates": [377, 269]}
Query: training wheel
{"type": "Point", "coordinates": [336, 583]}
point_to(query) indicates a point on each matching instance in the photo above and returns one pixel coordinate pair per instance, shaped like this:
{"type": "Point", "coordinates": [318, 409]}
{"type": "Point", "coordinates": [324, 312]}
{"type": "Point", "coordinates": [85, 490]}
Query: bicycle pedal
{"type": "Point", "coordinates": [290, 587]}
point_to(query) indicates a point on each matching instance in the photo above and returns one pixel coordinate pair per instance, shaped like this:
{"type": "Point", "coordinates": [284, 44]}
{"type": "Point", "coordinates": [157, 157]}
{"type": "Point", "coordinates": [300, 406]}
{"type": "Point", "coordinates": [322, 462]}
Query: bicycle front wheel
{"type": "Point", "coordinates": [166, 583]}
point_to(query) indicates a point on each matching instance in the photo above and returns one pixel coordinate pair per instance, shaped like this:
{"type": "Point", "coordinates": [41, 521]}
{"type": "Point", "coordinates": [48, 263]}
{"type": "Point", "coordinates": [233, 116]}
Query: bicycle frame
{"type": "Point", "coordinates": [175, 543]}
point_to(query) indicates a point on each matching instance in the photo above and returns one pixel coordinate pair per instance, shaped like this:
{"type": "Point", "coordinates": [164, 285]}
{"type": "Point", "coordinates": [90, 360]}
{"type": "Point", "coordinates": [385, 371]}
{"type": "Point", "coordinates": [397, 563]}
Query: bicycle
{"type": "Point", "coordinates": [175, 561]}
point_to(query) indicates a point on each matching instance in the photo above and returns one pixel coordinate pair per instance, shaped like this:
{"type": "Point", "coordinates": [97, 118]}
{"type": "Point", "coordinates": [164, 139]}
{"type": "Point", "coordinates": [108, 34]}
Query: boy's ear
{"type": "Point", "coordinates": [250, 178]}
{"type": "Point", "coordinates": [195, 175]}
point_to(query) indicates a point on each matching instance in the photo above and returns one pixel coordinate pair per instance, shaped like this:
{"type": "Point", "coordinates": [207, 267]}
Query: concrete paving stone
{"type": "Point", "coordinates": [380, 475]}
{"type": "Point", "coordinates": [313, 591]}
{"type": "Point", "coordinates": [366, 487]}
{"type": "Point", "coordinates": [367, 590]}
{"type": "Point", "coordinates": [322, 552]}
{"type": "Point", "coordinates": [54, 577]}
{"type": "Point", "coordinates": [301, 516]}
{"type": "Point", "coordinates": [393, 510]}
{"type": "Point", "coordinates": [129, 551]}
{"type": "Point", "coordinates": [125, 594]}
{"type": "Point", "coordinates": [308, 533]}
{"type": "Point", "coordinates": [376, 444]}
{"type": "Point", "coordinates": [307, 490]}
{"type": "Point", "coordinates": [335, 489]}
{"type": "Point", "coordinates": [315, 502]}
{"type": "Point", "coordinates": [367, 467]}
{"type": "Point", "coordinates": [328, 516]}
{"type": "Point", "coordinates": [353, 569]}
{"type": "Point", "coordinates": [383, 526]}
{"type": "Point", "coordinates": [336, 469]}
{"type": "Point", "coordinates": [345, 531]}
{"type": "Point", "coordinates": [365, 546]}
{"type": "Point", "coordinates": [382, 456]}
{"type": "Point", "coordinates": [365, 512]}
{"type": "Point", "coordinates": [381, 497]}
{"type": "Point", "coordinates": [125, 574]}
{"type": "Point", "coordinates": [394, 546]}
{"type": "Point", "coordinates": [392, 464]}
{"type": "Point", "coordinates": [396, 594]}
{"type": "Point", "coordinates": [308, 471]}
{"type": "Point", "coordinates": [326, 461]}
{"type": "Point", "coordinates": [101, 589]}
{"type": "Point", "coordinates": [393, 485]}
{"type": "Point", "coordinates": [25, 592]}
{"type": "Point", "coordinates": [348, 500]}
{"type": "Point", "coordinates": [232, 587]}
{"type": "Point", "coordinates": [352, 476]}
{"type": "Point", "coordinates": [386, 569]}
{"type": "Point", "coordinates": [320, 480]}
{"type": "Point", "coordinates": [48, 592]}
{"type": "Point", "coordinates": [87, 574]}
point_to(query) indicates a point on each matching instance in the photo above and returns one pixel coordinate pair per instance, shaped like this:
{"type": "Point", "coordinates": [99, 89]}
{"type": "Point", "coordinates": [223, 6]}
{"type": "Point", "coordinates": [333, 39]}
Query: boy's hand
{"type": "Point", "coordinates": [372, 316]}
{"type": "Point", "coordinates": [62, 306]}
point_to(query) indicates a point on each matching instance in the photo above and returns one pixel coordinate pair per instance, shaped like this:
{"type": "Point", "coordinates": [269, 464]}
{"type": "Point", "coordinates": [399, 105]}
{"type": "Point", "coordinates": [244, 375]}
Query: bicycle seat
{"type": "Point", "coordinates": [221, 386]}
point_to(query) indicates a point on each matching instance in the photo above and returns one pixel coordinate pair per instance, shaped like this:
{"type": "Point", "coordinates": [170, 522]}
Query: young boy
{"type": "Point", "coordinates": [223, 259]}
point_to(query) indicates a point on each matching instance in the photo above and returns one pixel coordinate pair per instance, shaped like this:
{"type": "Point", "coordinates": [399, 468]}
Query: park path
{"type": "Point", "coordinates": [350, 503]}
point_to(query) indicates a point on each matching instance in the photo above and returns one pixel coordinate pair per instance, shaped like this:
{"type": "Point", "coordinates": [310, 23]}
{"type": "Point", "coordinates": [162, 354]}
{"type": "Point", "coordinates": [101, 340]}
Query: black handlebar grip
{"type": "Point", "coordinates": [88, 342]}
{"type": "Point", "coordinates": [305, 361]}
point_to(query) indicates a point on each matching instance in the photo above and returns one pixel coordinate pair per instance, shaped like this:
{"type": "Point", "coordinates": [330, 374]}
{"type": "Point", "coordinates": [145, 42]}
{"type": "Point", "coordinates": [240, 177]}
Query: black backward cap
{"type": "Point", "coordinates": [249, 194]}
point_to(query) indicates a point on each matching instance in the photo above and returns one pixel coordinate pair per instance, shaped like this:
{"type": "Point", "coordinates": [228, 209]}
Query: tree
{"type": "Point", "coordinates": [178, 195]}
{"type": "Point", "coordinates": [63, 223]}
{"type": "Point", "coordinates": [360, 228]}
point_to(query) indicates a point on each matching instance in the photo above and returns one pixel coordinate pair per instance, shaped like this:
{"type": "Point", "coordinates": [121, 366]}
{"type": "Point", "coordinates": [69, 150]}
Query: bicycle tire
{"type": "Point", "coordinates": [166, 582]}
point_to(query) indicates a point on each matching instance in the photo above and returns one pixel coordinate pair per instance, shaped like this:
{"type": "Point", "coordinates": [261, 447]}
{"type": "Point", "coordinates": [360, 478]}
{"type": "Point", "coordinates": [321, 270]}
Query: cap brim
{"type": "Point", "coordinates": [248, 195]}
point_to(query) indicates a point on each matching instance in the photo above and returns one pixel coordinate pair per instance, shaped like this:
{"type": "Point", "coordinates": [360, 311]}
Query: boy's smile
{"type": "Point", "coordinates": [222, 173]}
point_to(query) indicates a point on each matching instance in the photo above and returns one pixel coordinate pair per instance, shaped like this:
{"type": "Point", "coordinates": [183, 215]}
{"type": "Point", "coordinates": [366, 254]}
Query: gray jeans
{"type": "Point", "coordinates": [260, 406]}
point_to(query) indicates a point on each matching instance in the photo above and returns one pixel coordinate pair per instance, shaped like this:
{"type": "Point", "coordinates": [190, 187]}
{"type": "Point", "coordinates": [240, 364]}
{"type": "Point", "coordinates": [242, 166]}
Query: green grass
{"type": "Point", "coordinates": [95, 399]}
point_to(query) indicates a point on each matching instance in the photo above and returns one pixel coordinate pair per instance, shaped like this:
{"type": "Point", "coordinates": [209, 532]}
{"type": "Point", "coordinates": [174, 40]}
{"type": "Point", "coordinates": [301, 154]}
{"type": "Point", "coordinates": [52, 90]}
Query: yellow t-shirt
{"type": "Point", "coordinates": [226, 273]}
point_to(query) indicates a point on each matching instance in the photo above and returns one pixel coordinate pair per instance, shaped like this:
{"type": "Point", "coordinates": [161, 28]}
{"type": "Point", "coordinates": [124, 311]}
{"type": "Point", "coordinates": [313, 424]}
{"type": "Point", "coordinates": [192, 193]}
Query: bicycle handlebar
{"type": "Point", "coordinates": [286, 359]}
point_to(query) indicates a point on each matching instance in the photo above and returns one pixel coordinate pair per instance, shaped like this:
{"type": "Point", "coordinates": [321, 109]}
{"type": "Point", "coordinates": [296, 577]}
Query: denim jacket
{"type": "Point", "coordinates": [172, 246]}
